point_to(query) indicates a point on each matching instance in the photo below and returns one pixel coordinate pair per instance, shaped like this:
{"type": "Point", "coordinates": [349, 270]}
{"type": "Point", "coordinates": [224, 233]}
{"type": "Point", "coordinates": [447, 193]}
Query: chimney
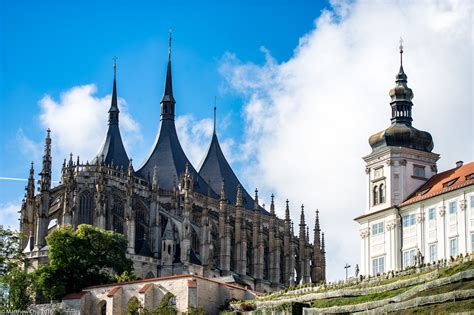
{"type": "Point", "coordinates": [459, 163]}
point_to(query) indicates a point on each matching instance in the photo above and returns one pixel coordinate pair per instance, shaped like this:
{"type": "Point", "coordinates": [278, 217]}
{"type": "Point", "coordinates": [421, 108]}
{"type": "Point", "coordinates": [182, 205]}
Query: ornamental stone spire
{"type": "Point", "coordinates": [168, 102]}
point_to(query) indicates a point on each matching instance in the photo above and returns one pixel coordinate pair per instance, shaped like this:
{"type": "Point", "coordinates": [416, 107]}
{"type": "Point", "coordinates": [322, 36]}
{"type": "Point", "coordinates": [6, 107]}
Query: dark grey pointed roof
{"type": "Point", "coordinates": [215, 168]}
{"type": "Point", "coordinates": [167, 154]}
{"type": "Point", "coordinates": [113, 149]}
{"type": "Point", "coordinates": [170, 161]}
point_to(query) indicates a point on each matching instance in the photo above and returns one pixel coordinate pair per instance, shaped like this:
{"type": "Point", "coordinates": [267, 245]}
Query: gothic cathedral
{"type": "Point", "coordinates": [177, 220]}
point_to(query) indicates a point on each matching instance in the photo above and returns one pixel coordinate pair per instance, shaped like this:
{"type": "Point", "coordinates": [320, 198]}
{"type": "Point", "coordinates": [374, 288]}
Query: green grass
{"type": "Point", "coordinates": [462, 285]}
{"type": "Point", "coordinates": [446, 272]}
{"type": "Point", "coordinates": [444, 308]}
{"type": "Point", "coordinates": [351, 300]}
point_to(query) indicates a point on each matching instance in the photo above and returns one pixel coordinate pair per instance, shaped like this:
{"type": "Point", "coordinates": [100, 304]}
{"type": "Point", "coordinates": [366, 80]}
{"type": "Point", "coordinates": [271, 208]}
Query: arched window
{"type": "Point", "coordinates": [382, 193]}
{"type": "Point", "coordinates": [375, 195]}
{"type": "Point", "coordinates": [266, 261]}
{"type": "Point", "coordinates": [86, 208]}
{"type": "Point", "coordinates": [117, 215]}
{"type": "Point", "coordinates": [102, 307]}
{"type": "Point", "coordinates": [194, 241]}
{"type": "Point", "coordinates": [141, 221]}
{"type": "Point", "coordinates": [250, 258]}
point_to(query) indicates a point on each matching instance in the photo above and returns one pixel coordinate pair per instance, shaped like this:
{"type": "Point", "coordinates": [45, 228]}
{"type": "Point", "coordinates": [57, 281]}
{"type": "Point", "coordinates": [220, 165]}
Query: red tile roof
{"type": "Point", "coordinates": [171, 277]}
{"type": "Point", "coordinates": [145, 287]}
{"type": "Point", "coordinates": [73, 296]}
{"type": "Point", "coordinates": [443, 182]}
{"type": "Point", "coordinates": [113, 291]}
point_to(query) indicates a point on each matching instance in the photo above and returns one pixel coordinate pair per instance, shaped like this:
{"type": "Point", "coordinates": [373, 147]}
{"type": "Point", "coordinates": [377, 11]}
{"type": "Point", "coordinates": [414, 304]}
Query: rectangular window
{"type": "Point", "coordinates": [452, 207]}
{"type": "Point", "coordinates": [378, 172]}
{"type": "Point", "coordinates": [405, 220]}
{"type": "Point", "coordinates": [419, 171]}
{"type": "Point", "coordinates": [408, 258]}
{"type": "Point", "coordinates": [472, 201]}
{"type": "Point", "coordinates": [433, 252]}
{"type": "Point", "coordinates": [432, 214]}
{"type": "Point", "coordinates": [409, 220]}
{"type": "Point", "coordinates": [378, 265]}
{"type": "Point", "coordinates": [453, 247]}
{"type": "Point", "coordinates": [377, 228]}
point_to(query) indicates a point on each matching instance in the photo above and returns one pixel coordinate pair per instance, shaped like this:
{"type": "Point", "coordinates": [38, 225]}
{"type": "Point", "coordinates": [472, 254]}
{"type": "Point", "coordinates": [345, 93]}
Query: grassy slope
{"type": "Point", "coordinates": [457, 306]}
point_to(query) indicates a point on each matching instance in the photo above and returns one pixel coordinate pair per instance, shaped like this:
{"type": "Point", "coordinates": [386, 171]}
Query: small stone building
{"type": "Point", "coordinates": [188, 290]}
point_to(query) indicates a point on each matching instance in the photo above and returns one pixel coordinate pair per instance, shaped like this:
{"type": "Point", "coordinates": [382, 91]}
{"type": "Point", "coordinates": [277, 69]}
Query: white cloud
{"type": "Point", "coordinates": [195, 137]}
{"type": "Point", "coordinates": [9, 214]}
{"type": "Point", "coordinates": [78, 121]}
{"type": "Point", "coordinates": [308, 119]}
{"type": "Point", "coordinates": [27, 146]}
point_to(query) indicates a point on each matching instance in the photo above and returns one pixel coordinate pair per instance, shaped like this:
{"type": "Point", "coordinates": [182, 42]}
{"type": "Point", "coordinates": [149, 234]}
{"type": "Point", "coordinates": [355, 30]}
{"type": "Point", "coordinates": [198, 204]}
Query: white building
{"type": "Point", "coordinates": [411, 208]}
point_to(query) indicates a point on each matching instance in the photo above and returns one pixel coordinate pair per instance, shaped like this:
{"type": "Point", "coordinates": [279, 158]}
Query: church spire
{"type": "Point", "coordinates": [30, 189]}
{"type": "Point", "coordinates": [114, 110]}
{"type": "Point", "coordinates": [255, 205]}
{"type": "Point", "coordinates": [215, 109]}
{"type": "Point", "coordinates": [168, 102]}
{"type": "Point", "coordinates": [239, 201]}
{"type": "Point", "coordinates": [401, 96]}
{"type": "Point", "coordinates": [317, 230]}
{"type": "Point", "coordinates": [272, 205]}
{"type": "Point", "coordinates": [302, 224]}
{"type": "Point", "coordinates": [45, 181]}
{"type": "Point", "coordinates": [287, 211]}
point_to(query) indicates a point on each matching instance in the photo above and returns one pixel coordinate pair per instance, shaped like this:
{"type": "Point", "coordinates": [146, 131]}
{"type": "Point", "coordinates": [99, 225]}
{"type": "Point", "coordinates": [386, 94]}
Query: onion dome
{"type": "Point", "coordinates": [401, 133]}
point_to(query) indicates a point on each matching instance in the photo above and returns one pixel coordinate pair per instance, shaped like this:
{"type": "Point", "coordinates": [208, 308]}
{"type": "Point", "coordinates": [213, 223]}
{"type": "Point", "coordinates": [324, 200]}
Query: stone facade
{"type": "Point", "coordinates": [188, 290]}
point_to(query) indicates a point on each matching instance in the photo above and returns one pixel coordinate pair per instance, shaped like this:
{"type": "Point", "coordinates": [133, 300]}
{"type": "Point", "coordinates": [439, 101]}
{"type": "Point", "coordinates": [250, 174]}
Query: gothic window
{"type": "Point", "coordinates": [232, 250]}
{"type": "Point", "coordinates": [375, 196]}
{"type": "Point", "coordinates": [86, 208]}
{"type": "Point", "coordinates": [266, 261]}
{"type": "Point", "coordinates": [117, 215]}
{"type": "Point", "coordinates": [140, 222]}
{"type": "Point", "coordinates": [382, 193]}
{"type": "Point", "coordinates": [282, 263]}
{"type": "Point", "coordinates": [194, 241]}
{"type": "Point", "coordinates": [249, 255]}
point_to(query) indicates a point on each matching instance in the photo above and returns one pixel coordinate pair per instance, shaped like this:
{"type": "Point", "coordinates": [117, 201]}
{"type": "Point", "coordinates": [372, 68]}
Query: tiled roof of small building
{"type": "Point", "coordinates": [444, 182]}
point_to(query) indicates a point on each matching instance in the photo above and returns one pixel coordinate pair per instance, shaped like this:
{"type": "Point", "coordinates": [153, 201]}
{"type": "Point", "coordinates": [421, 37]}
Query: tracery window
{"type": "Point", "coordinates": [141, 220]}
{"type": "Point", "coordinates": [117, 215]}
{"type": "Point", "coordinates": [86, 208]}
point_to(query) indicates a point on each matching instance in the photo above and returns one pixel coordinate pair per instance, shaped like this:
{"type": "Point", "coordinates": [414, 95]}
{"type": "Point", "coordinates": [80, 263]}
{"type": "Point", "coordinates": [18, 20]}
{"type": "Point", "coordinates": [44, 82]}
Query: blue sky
{"type": "Point", "coordinates": [50, 46]}
{"type": "Point", "coordinates": [300, 87]}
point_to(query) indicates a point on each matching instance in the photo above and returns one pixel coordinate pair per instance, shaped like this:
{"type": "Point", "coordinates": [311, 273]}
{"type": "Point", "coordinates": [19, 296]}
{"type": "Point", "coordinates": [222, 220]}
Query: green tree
{"type": "Point", "coordinates": [80, 258]}
{"type": "Point", "coordinates": [14, 279]}
{"type": "Point", "coordinates": [166, 306]}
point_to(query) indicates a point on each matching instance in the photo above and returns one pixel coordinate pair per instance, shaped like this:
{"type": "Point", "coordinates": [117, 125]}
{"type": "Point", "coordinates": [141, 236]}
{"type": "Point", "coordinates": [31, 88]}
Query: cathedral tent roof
{"type": "Point", "coordinates": [167, 154]}
{"type": "Point", "coordinates": [215, 168]}
{"type": "Point", "coordinates": [113, 149]}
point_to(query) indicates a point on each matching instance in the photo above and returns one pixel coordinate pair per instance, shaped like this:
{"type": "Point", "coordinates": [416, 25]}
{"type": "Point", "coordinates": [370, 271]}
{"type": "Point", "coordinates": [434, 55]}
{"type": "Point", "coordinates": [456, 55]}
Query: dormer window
{"type": "Point", "coordinates": [449, 183]}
